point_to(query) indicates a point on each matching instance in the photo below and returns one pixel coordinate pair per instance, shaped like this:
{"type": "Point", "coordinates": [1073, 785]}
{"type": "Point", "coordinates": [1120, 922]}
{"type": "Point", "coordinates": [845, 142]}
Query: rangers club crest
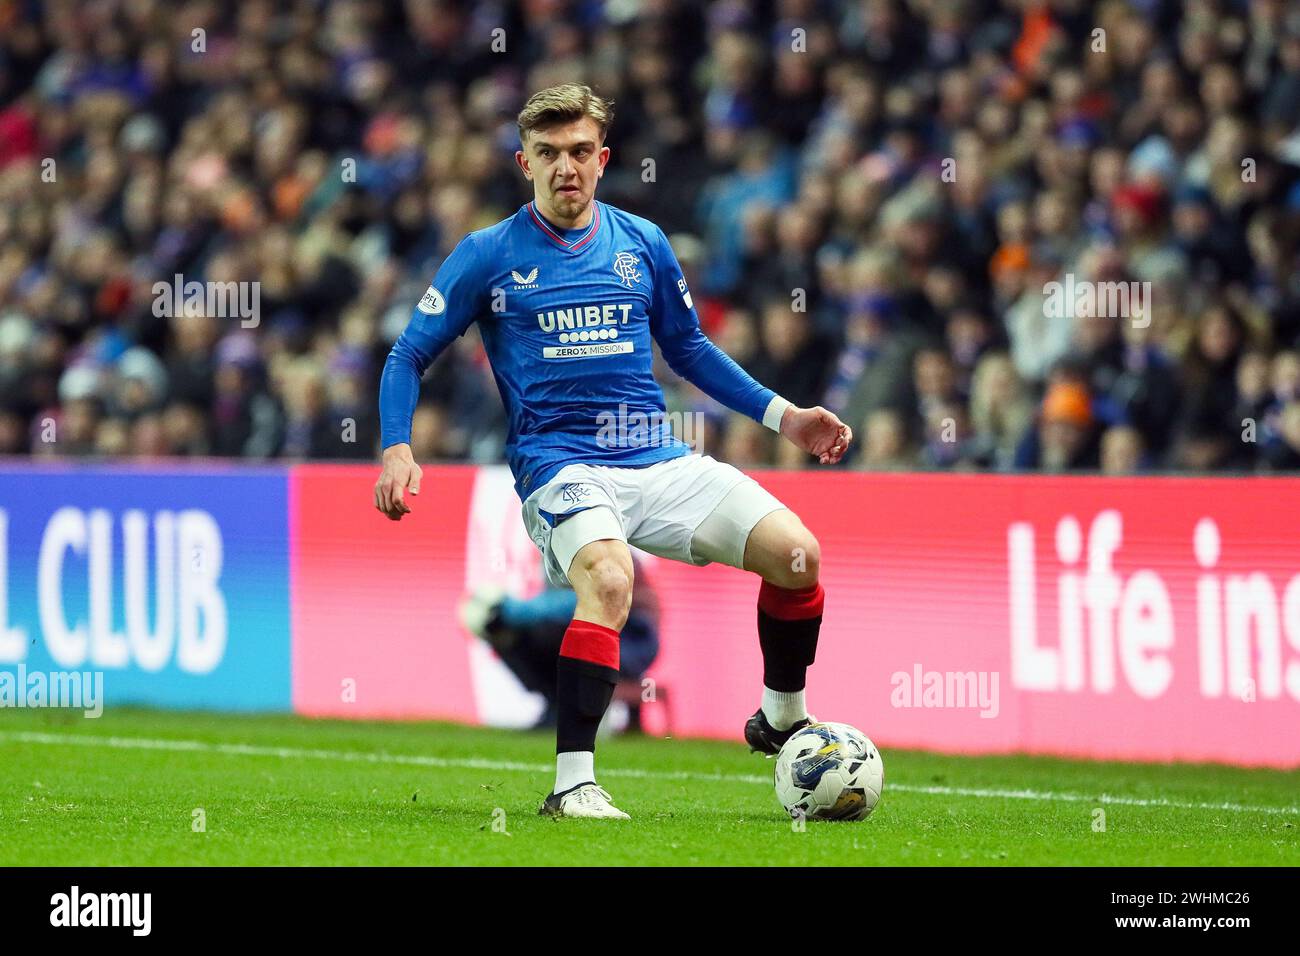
{"type": "Point", "coordinates": [574, 491]}
{"type": "Point", "coordinates": [625, 267]}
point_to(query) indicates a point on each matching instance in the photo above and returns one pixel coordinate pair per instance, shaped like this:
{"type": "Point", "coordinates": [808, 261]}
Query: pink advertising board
{"type": "Point", "coordinates": [373, 606]}
{"type": "Point", "coordinates": [1149, 619]}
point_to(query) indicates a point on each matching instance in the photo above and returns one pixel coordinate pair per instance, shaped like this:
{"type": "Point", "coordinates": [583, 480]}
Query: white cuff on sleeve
{"type": "Point", "coordinates": [775, 411]}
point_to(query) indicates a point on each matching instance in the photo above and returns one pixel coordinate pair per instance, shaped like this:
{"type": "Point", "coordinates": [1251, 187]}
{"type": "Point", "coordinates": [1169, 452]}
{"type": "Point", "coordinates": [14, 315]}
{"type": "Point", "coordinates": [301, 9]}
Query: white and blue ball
{"type": "Point", "coordinates": [829, 771]}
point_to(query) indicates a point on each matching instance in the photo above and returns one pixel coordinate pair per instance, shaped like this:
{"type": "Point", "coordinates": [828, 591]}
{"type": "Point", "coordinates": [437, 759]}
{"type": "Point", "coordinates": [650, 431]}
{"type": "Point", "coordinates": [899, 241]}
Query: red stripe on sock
{"type": "Point", "coordinates": [589, 641]}
{"type": "Point", "coordinates": [791, 604]}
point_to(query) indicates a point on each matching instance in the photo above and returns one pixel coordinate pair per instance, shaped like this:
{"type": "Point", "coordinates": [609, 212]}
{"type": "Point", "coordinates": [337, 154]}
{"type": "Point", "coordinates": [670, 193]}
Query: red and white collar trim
{"type": "Point", "coordinates": [574, 245]}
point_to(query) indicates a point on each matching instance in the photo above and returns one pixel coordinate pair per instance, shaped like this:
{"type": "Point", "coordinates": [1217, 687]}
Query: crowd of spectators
{"type": "Point", "coordinates": [871, 200]}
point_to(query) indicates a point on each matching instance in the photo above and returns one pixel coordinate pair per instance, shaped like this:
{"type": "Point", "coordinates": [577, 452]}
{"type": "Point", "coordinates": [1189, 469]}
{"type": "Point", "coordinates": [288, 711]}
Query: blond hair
{"type": "Point", "coordinates": [557, 105]}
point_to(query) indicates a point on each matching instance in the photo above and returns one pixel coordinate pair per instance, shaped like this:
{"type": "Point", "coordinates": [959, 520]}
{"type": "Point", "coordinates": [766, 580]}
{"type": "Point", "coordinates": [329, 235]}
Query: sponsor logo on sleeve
{"type": "Point", "coordinates": [432, 302]}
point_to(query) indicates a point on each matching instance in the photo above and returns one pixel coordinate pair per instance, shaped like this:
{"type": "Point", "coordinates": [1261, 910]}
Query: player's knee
{"type": "Point", "coordinates": [800, 566]}
{"type": "Point", "coordinates": [814, 551]}
{"type": "Point", "coordinates": [606, 581]}
{"type": "Point", "coordinates": [807, 566]}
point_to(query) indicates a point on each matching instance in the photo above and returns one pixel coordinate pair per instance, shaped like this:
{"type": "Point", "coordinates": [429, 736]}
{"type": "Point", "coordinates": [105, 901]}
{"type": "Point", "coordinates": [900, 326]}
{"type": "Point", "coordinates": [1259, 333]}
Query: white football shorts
{"type": "Point", "coordinates": [693, 509]}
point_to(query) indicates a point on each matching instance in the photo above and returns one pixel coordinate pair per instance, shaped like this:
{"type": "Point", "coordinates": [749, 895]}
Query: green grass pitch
{"type": "Point", "coordinates": [133, 787]}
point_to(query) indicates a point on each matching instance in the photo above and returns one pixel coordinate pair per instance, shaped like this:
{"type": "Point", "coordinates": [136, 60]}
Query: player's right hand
{"type": "Point", "coordinates": [400, 474]}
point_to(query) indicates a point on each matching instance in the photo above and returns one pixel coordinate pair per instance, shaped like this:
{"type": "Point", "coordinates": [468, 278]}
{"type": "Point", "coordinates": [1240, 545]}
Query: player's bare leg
{"type": "Point", "coordinates": [783, 552]}
{"type": "Point", "coordinates": [787, 556]}
{"type": "Point", "coordinates": [602, 576]}
{"type": "Point", "coordinates": [586, 672]}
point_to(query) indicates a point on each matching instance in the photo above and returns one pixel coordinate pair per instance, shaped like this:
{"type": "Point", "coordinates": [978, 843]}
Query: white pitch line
{"type": "Point", "coordinates": [1085, 798]}
{"type": "Point", "coordinates": [471, 763]}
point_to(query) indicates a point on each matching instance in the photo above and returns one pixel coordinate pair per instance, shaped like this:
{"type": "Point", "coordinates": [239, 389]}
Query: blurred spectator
{"type": "Point", "coordinates": [885, 444]}
{"type": "Point", "coordinates": [1064, 438]}
{"type": "Point", "coordinates": [791, 352]}
{"type": "Point", "coordinates": [1121, 450]}
{"type": "Point", "coordinates": [1001, 411]}
{"type": "Point", "coordinates": [309, 432]}
{"type": "Point", "coordinates": [746, 443]}
{"type": "Point", "coordinates": [1210, 428]}
{"type": "Point", "coordinates": [1253, 399]}
{"type": "Point", "coordinates": [246, 421]}
{"type": "Point", "coordinates": [1283, 454]}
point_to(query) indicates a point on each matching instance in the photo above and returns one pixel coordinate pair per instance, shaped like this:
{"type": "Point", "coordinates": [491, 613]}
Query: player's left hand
{"type": "Point", "coordinates": [400, 474]}
{"type": "Point", "coordinates": [818, 432]}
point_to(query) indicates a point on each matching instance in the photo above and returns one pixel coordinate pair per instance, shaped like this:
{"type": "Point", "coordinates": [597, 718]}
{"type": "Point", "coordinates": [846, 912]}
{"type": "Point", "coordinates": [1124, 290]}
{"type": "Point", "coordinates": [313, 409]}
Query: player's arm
{"type": "Point", "coordinates": [689, 352]}
{"type": "Point", "coordinates": [446, 310]}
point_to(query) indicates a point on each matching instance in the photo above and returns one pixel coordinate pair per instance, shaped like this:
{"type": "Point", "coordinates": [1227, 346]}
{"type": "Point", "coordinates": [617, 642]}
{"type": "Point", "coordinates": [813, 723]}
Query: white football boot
{"type": "Point", "coordinates": [584, 800]}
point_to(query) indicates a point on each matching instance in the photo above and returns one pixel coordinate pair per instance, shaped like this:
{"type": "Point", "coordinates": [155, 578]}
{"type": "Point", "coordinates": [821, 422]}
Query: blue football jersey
{"type": "Point", "coordinates": [567, 317]}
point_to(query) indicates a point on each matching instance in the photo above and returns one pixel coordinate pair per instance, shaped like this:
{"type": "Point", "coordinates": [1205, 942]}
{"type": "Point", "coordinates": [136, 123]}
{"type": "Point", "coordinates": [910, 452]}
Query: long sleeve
{"type": "Point", "coordinates": [454, 300]}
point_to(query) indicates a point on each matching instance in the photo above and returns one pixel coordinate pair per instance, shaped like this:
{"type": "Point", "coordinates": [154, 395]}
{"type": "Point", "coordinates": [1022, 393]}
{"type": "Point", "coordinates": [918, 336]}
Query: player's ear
{"type": "Point", "coordinates": [522, 161]}
{"type": "Point", "coordinates": [603, 156]}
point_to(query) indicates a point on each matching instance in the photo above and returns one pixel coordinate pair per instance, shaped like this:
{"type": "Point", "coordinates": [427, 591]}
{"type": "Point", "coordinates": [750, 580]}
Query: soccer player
{"type": "Point", "coordinates": [568, 293]}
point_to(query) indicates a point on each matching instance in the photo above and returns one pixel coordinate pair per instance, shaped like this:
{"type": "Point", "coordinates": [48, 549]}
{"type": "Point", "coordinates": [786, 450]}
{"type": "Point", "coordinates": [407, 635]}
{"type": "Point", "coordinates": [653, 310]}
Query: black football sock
{"type": "Point", "coordinates": [789, 620]}
{"type": "Point", "coordinates": [586, 672]}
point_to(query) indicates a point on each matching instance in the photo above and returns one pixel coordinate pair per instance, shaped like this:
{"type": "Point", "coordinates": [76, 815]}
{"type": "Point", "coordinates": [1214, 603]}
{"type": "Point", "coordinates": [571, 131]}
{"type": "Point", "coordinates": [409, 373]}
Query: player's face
{"type": "Point", "coordinates": [563, 163]}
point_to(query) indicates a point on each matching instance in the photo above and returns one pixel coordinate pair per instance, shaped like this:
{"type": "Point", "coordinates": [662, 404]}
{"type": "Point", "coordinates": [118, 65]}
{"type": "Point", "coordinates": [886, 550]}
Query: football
{"type": "Point", "coordinates": [829, 771]}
